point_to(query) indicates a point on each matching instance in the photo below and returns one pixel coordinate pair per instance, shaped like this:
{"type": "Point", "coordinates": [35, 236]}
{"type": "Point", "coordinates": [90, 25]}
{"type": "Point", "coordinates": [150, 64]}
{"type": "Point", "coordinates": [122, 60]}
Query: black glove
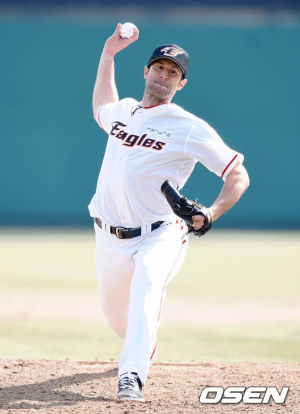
{"type": "Point", "coordinates": [186, 209]}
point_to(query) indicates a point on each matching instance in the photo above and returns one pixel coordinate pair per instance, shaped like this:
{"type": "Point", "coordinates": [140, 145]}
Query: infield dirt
{"type": "Point", "coordinates": [88, 387]}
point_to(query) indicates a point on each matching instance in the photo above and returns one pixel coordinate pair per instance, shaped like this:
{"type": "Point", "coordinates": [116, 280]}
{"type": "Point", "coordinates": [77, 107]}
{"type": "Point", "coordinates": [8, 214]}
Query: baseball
{"type": "Point", "coordinates": [127, 30]}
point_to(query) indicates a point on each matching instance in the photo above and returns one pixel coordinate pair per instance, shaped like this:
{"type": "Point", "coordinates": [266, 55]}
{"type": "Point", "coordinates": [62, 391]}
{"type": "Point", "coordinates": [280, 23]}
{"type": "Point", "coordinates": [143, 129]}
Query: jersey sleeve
{"type": "Point", "coordinates": [107, 114]}
{"type": "Point", "coordinates": [206, 146]}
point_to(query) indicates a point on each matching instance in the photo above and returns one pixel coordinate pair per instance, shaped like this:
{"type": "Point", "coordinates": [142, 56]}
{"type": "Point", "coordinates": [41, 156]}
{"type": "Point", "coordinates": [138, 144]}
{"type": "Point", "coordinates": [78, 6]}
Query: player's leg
{"type": "Point", "coordinates": [114, 269]}
{"type": "Point", "coordinates": [158, 259]}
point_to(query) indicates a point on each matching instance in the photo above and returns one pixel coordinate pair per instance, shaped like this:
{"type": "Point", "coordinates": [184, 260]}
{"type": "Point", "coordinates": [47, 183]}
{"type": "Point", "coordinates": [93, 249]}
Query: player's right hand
{"type": "Point", "coordinates": [115, 43]}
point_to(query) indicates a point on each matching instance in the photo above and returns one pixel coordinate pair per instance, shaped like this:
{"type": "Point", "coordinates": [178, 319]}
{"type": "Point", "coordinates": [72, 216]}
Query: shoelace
{"type": "Point", "coordinates": [127, 382]}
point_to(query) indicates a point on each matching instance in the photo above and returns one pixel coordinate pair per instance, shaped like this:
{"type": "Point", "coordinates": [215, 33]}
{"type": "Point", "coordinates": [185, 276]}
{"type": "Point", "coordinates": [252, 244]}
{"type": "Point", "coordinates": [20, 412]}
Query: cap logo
{"type": "Point", "coordinates": [171, 51]}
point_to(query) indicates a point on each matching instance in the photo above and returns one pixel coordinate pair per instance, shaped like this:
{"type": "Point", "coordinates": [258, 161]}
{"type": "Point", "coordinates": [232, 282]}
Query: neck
{"type": "Point", "coordinates": [150, 100]}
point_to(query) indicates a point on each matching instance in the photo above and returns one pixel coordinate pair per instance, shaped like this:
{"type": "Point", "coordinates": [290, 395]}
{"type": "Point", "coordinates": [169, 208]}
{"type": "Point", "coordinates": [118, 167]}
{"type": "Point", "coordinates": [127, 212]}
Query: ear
{"type": "Point", "coordinates": [146, 71]}
{"type": "Point", "coordinates": [181, 84]}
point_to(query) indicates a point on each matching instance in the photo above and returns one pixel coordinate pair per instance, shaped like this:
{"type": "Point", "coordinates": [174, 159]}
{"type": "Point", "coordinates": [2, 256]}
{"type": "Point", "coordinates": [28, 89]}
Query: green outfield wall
{"type": "Point", "coordinates": [244, 80]}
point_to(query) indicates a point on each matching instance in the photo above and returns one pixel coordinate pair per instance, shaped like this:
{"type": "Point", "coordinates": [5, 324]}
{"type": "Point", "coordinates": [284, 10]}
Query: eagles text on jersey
{"type": "Point", "coordinates": [130, 140]}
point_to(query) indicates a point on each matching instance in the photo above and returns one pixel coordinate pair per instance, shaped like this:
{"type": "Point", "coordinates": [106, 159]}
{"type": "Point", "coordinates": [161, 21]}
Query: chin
{"type": "Point", "coordinates": [159, 94]}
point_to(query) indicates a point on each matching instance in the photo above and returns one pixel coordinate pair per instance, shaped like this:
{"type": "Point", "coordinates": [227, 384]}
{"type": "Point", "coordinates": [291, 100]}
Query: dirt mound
{"type": "Point", "coordinates": [90, 387]}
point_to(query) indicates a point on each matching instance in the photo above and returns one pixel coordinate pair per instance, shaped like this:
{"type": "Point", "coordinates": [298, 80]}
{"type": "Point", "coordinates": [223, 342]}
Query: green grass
{"type": "Point", "coordinates": [241, 264]}
{"type": "Point", "coordinates": [222, 265]}
{"type": "Point", "coordinates": [47, 261]}
{"type": "Point", "coordinates": [230, 342]}
{"type": "Point", "coordinates": [59, 340]}
{"type": "Point", "coordinates": [177, 342]}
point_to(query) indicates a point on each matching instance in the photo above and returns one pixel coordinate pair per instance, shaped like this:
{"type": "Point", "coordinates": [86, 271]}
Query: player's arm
{"type": "Point", "coordinates": [105, 90]}
{"type": "Point", "coordinates": [236, 183]}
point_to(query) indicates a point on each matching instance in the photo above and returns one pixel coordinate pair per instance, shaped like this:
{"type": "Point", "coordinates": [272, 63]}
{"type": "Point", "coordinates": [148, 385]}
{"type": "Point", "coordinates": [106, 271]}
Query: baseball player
{"type": "Point", "coordinates": [140, 242]}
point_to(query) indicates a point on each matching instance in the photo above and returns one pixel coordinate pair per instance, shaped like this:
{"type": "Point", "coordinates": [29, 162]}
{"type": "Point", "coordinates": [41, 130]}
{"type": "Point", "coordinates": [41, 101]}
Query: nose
{"type": "Point", "coordinates": [164, 74]}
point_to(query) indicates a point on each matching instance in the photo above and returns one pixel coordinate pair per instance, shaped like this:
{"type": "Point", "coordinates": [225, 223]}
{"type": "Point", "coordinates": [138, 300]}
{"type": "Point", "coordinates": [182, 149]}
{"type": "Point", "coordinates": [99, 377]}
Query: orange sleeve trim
{"type": "Point", "coordinates": [228, 165]}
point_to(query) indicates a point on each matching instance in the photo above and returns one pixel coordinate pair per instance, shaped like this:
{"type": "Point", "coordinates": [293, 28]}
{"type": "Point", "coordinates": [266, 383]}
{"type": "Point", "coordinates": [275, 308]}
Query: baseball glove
{"type": "Point", "coordinates": [186, 209]}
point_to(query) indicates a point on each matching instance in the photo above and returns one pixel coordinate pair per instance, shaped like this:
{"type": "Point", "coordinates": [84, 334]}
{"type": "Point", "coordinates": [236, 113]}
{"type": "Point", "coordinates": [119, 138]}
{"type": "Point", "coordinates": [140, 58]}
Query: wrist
{"type": "Point", "coordinates": [108, 53]}
{"type": "Point", "coordinates": [213, 212]}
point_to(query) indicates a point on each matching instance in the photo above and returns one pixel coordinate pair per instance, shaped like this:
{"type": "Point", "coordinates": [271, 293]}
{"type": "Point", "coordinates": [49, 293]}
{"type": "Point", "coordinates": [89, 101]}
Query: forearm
{"type": "Point", "coordinates": [235, 185]}
{"type": "Point", "coordinates": [105, 90]}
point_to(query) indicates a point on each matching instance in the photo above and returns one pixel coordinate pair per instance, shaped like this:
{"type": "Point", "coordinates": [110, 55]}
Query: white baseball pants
{"type": "Point", "coordinates": [132, 275]}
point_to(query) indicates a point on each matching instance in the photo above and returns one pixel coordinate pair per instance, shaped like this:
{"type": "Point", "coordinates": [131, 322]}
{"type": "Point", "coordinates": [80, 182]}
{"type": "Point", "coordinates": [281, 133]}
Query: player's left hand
{"type": "Point", "coordinates": [197, 217]}
{"type": "Point", "coordinates": [198, 221]}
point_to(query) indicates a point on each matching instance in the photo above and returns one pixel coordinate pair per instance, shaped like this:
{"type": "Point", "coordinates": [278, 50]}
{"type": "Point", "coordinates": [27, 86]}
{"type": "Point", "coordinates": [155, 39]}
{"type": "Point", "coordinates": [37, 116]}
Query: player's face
{"type": "Point", "coordinates": [163, 79]}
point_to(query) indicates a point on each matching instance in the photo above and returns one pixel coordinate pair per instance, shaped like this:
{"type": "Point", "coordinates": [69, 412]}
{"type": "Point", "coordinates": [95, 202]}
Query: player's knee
{"type": "Point", "coordinates": [116, 319]}
{"type": "Point", "coordinates": [120, 329]}
{"type": "Point", "coordinates": [117, 323]}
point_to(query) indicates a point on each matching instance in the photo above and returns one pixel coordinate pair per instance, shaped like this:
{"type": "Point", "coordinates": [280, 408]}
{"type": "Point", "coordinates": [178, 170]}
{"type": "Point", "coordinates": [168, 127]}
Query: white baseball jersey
{"type": "Point", "coordinates": [145, 147]}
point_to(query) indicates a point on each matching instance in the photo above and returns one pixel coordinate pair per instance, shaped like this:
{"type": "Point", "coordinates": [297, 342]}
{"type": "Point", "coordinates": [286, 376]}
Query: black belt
{"type": "Point", "coordinates": [123, 233]}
